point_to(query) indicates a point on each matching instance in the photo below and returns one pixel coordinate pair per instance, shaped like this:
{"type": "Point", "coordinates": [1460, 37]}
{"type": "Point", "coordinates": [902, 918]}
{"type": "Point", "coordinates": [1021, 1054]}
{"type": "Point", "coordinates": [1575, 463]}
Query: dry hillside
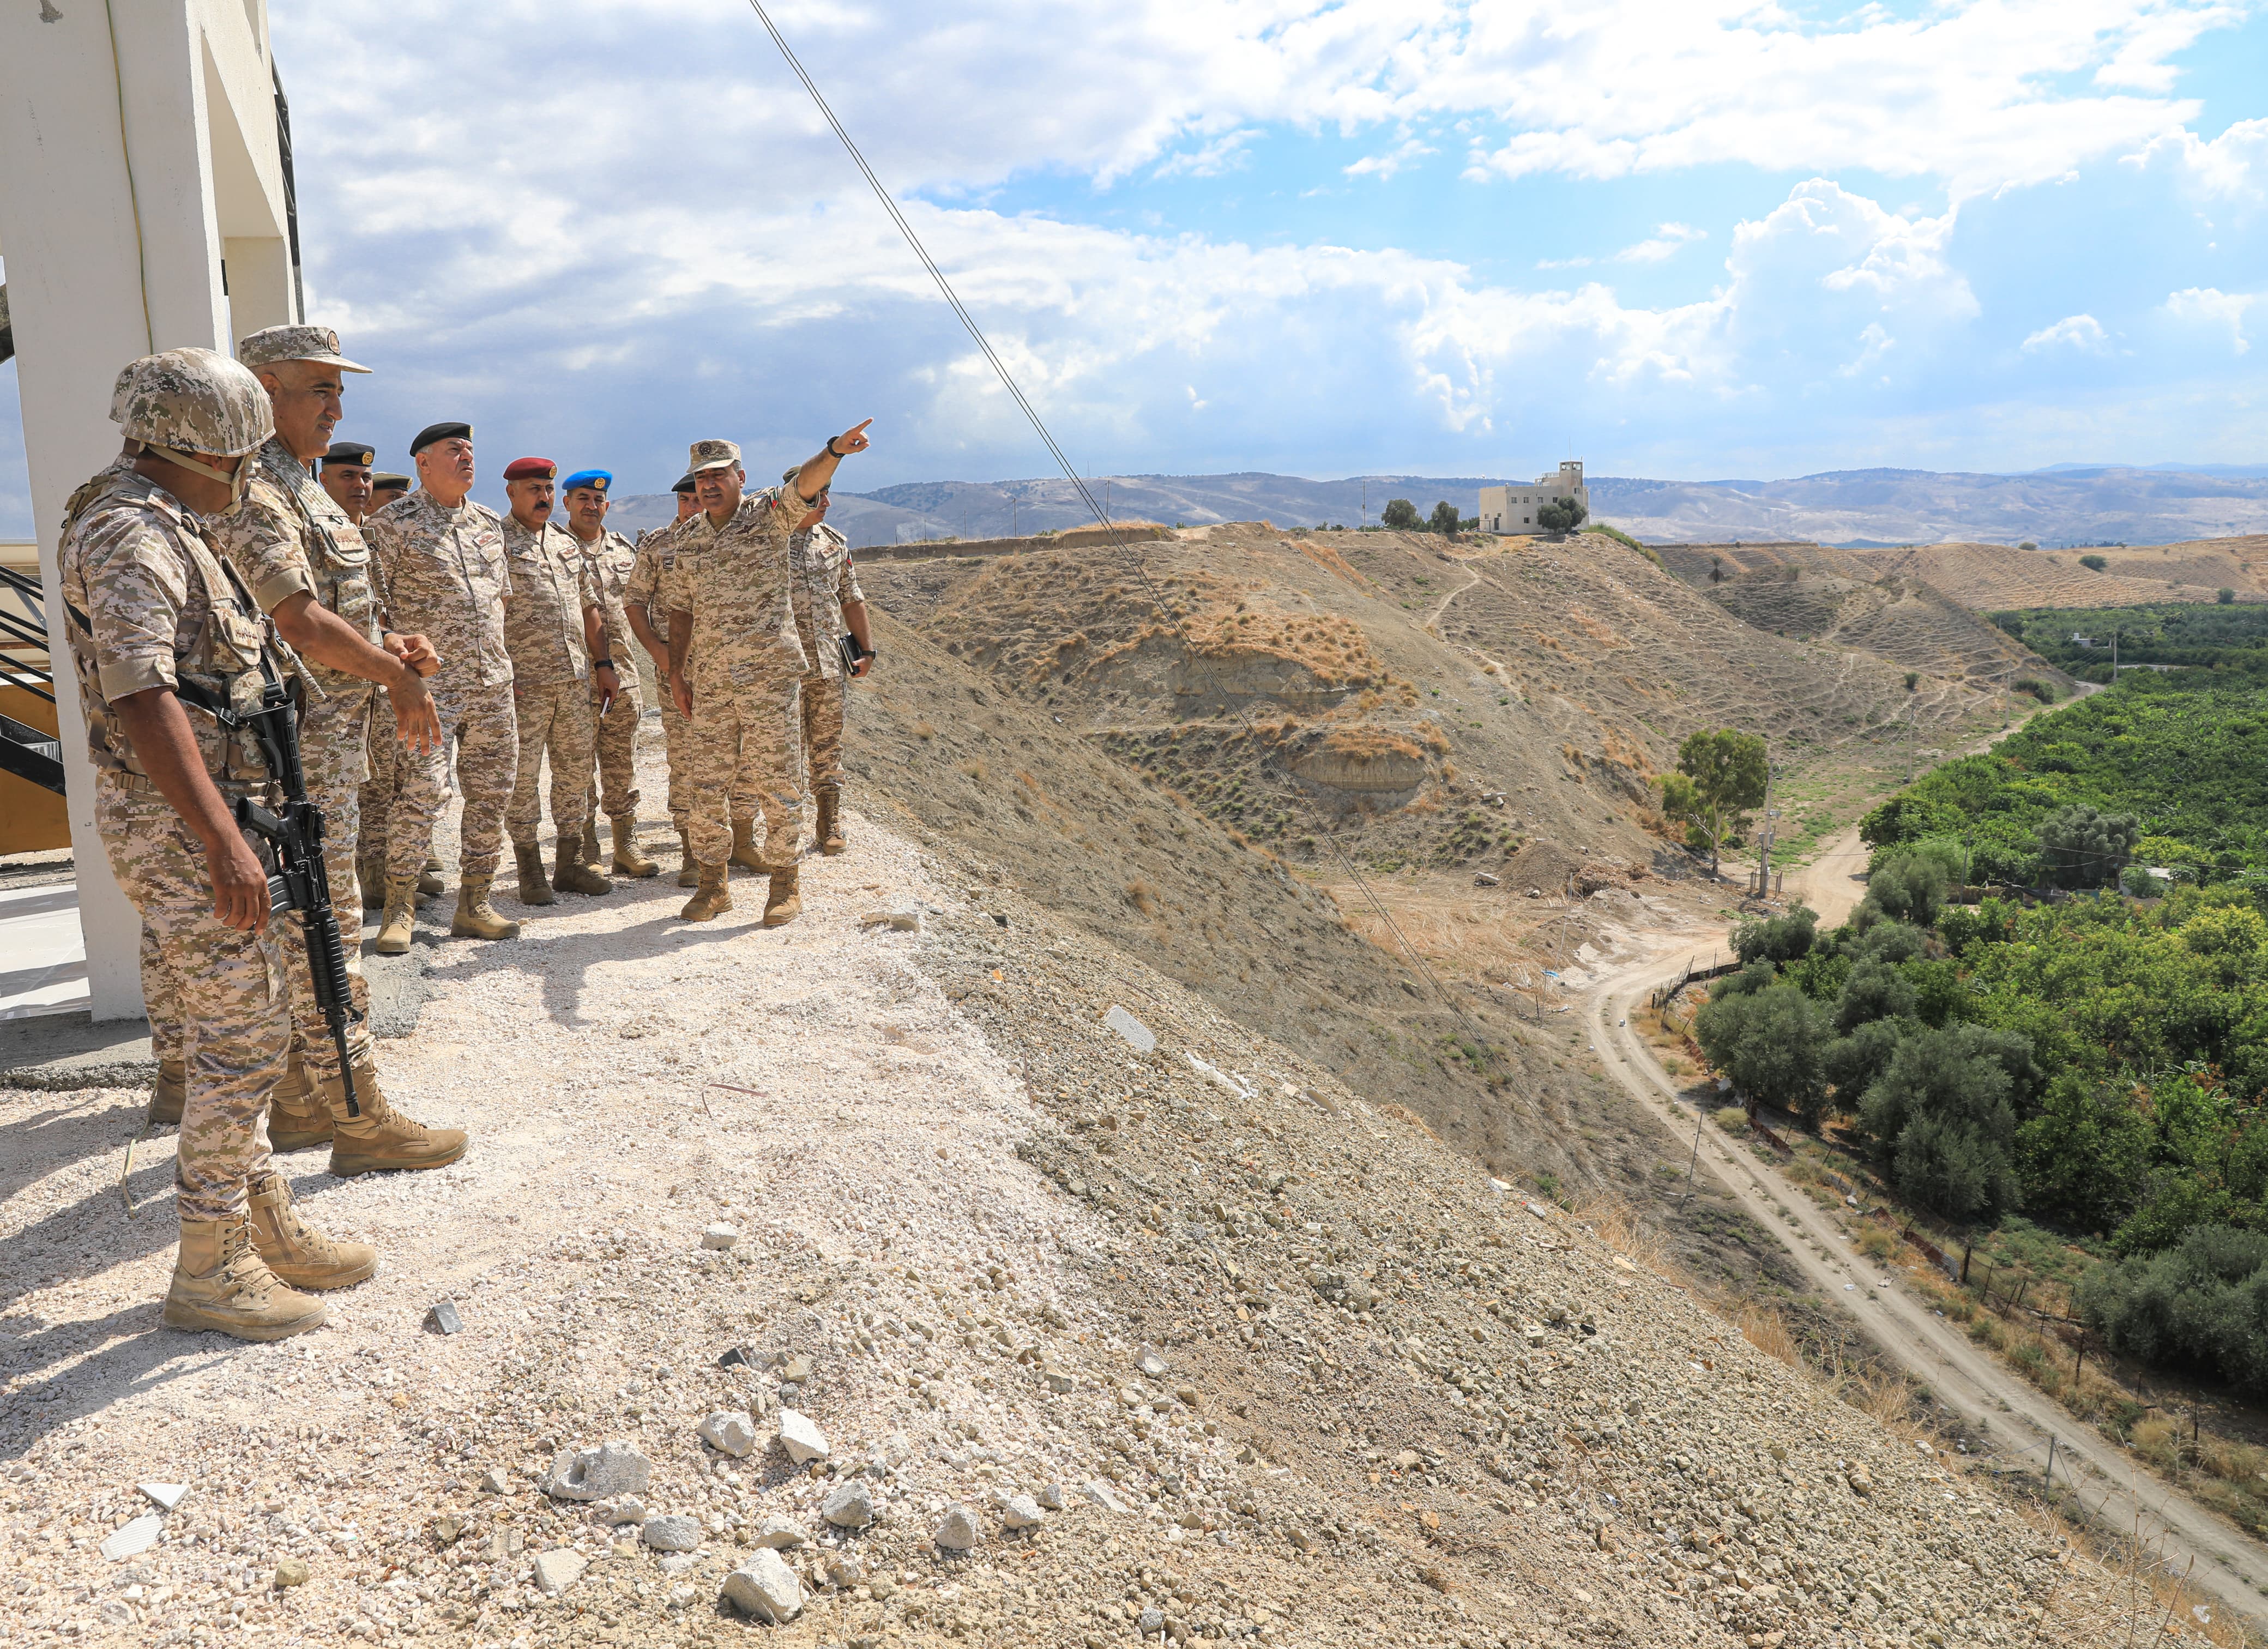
{"type": "Point", "coordinates": [1442, 707]}
{"type": "Point", "coordinates": [1992, 578]}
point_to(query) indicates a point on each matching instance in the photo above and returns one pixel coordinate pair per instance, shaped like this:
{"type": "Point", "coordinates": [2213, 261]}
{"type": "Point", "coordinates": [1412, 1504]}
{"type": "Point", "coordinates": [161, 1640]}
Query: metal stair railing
{"type": "Point", "coordinates": [27, 753]}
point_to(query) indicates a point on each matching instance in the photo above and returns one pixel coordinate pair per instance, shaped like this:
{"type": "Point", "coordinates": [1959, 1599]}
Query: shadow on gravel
{"type": "Point", "coordinates": [562, 961]}
{"type": "Point", "coordinates": [151, 1356]}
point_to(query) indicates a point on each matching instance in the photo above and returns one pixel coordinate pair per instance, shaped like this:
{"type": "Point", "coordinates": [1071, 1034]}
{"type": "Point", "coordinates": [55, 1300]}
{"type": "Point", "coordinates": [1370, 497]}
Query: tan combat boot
{"type": "Point", "coordinates": [221, 1284]}
{"type": "Point", "coordinates": [371, 873]}
{"type": "Point", "coordinates": [171, 1092]}
{"type": "Point", "coordinates": [688, 868]}
{"type": "Point", "coordinates": [715, 894]}
{"type": "Point", "coordinates": [476, 917]}
{"type": "Point", "coordinates": [294, 1251]}
{"type": "Point", "coordinates": [297, 1117]}
{"type": "Point", "coordinates": [381, 1140]}
{"type": "Point", "coordinates": [401, 918]}
{"type": "Point", "coordinates": [830, 821]}
{"type": "Point", "coordinates": [535, 887]}
{"type": "Point", "coordinates": [429, 876]}
{"type": "Point", "coordinates": [628, 860]}
{"type": "Point", "coordinates": [574, 876]}
{"type": "Point", "coordinates": [586, 845]}
{"type": "Point", "coordinates": [744, 852]}
{"type": "Point", "coordinates": [782, 903]}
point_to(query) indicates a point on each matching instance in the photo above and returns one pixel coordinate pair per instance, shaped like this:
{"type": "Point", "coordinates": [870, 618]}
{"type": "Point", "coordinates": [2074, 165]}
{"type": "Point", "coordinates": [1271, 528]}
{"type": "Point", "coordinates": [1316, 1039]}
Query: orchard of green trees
{"type": "Point", "coordinates": [2096, 1060]}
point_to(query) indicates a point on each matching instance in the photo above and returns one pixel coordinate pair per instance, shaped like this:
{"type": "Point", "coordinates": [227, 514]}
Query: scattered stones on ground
{"type": "Point", "coordinates": [441, 1318]}
{"type": "Point", "coordinates": [671, 1533]}
{"type": "Point", "coordinates": [558, 1569]}
{"type": "Point", "coordinates": [849, 1504]}
{"type": "Point", "coordinates": [595, 1474]}
{"type": "Point", "coordinates": [958, 1529]}
{"type": "Point", "coordinates": [720, 1235]}
{"type": "Point", "coordinates": [802, 1439]}
{"type": "Point", "coordinates": [729, 1431]}
{"type": "Point", "coordinates": [1021, 1512]}
{"type": "Point", "coordinates": [764, 1586]}
{"type": "Point", "coordinates": [781, 1534]}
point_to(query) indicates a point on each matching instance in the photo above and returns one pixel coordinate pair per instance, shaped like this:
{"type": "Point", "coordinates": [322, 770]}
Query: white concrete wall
{"type": "Point", "coordinates": [136, 141]}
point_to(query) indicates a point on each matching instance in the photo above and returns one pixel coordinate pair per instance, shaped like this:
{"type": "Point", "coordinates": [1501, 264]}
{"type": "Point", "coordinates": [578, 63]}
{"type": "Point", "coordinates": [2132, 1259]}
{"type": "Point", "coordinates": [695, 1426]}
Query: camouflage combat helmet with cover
{"type": "Point", "coordinates": [186, 405]}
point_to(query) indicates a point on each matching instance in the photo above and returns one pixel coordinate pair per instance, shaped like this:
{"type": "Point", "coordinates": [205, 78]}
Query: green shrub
{"type": "Point", "coordinates": [2039, 690]}
{"type": "Point", "coordinates": [2095, 562]}
{"type": "Point", "coordinates": [1778, 938]}
{"type": "Point", "coordinates": [2083, 848]}
{"type": "Point", "coordinates": [2202, 1303]}
{"type": "Point", "coordinates": [1942, 1117]}
{"type": "Point", "coordinates": [1769, 1042]}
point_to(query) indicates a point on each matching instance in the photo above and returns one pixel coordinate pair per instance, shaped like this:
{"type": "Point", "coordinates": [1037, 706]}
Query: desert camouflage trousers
{"type": "Point", "coordinates": [377, 796]}
{"type": "Point", "coordinates": [235, 1019]}
{"type": "Point", "coordinates": [677, 737]}
{"type": "Point", "coordinates": [615, 788]}
{"type": "Point", "coordinates": [743, 735]}
{"type": "Point", "coordinates": [478, 723]}
{"type": "Point", "coordinates": [333, 741]}
{"type": "Point", "coordinates": [822, 731]}
{"type": "Point", "coordinates": [555, 718]}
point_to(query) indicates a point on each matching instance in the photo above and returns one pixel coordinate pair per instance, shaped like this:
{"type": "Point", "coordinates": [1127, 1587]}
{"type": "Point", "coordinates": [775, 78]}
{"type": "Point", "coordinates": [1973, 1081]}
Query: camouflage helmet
{"type": "Point", "coordinates": [194, 401]}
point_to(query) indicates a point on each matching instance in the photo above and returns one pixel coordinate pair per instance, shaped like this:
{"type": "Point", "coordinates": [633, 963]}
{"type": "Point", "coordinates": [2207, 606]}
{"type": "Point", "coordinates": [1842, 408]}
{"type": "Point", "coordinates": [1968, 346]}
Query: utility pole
{"type": "Point", "coordinates": [1764, 871]}
{"type": "Point", "coordinates": [1366, 502]}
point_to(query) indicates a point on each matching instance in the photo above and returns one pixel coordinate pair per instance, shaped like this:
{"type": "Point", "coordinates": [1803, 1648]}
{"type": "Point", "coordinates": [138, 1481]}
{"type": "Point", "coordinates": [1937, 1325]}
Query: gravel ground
{"type": "Point", "coordinates": [1267, 1361]}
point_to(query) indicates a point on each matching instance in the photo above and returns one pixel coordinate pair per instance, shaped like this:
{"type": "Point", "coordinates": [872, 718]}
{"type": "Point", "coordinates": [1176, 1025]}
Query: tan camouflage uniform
{"type": "Point", "coordinates": [550, 676]}
{"type": "Point", "coordinates": [286, 535]}
{"type": "Point", "coordinates": [609, 562]}
{"type": "Point", "coordinates": [656, 583]}
{"type": "Point", "coordinates": [746, 667]}
{"type": "Point", "coordinates": [444, 576]}
{"type": "Point", "coordinates": [153, 605]}
{"type": "Point", "coordinates": [824, 580]}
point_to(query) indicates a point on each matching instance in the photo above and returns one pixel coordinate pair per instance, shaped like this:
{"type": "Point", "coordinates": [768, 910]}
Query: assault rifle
{"type": "Point", "coordinates": [294, 835]}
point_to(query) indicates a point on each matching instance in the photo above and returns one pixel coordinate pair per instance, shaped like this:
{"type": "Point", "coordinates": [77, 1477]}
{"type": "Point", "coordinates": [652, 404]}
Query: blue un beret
{"type": "Point", "coordinates": [597, 480]}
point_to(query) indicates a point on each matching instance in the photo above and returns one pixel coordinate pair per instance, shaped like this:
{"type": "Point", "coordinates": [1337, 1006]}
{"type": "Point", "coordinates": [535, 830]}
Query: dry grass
{"type": "Point", "coordinates": [1767, 1331]}
{"type": "Point", "coordinates": [1624, 1232]}
{"type": "Point", "coordinates": [1142, 896]}
{"type": "Point", "coordinates": [924, 731]}
{"type": "Point", "coordinates": [1402, 1114]}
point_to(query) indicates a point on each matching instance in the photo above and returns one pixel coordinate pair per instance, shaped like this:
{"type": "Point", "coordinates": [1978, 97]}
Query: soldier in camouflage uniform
{"type": "Point", "coordinates": [646, 602]}
{"type": "Point", "coordinates": [443, 572]}
{"type": "Point", "coordinates": [826, 598]}
{"type": "Point", "coordinates": [609, 558]}
{"type": "Point", "coordinates": [557, 639]}
{"type": "Point", "coordinates": [164, 636]}
{"type": "Point", "coordinates": [307, 567]}
{"type": "Point", "coordinates": [737, 628]}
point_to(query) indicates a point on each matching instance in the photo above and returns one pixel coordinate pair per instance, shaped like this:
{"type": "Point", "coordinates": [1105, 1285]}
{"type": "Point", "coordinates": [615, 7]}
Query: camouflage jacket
{"type": "Point", "coordinates": [154, 605]}
{"type": "Point", "coordinates": [543, 624]}
{"type": "Point", "coordinates": [738, 582]}
{"type": "Point", "coordinates": [287, 534]}
{"type": "Point", "coordinates": [443, 574]}
{"type": "Point", "coordinates": [609, 562]}
{"type": "Point", "coordinates": [824, 580]}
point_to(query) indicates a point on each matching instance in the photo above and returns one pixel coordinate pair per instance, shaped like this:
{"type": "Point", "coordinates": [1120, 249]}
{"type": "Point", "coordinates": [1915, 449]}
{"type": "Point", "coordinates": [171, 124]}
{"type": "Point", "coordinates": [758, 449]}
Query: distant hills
{"type": "Point", "coordinates": [2067, 506]}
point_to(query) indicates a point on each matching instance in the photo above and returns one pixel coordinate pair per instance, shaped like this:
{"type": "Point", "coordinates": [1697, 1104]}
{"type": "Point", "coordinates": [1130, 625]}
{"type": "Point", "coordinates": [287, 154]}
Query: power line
{"type": "Point", "coordinates": [1102, 518]}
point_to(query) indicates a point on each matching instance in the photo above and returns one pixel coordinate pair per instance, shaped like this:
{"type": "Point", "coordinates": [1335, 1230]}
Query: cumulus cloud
{"type": "Point", "coordinates": [2215, 308]}
{"type": "Point", "coordinates": [2233, 166]}
{"type": "Point", "coordinates": [1664, 242]}
{"type": "Point", "coordinates": [2083, 332]}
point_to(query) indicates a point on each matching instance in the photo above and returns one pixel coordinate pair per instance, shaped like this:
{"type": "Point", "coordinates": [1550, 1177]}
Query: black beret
{"type": "Point", "coordinates": [433, 432]}
{"type": "Point", "coordinates": [349, 452]}
{"type": "Point", "coordinates": [382, 483]}
{"type": "Point", "coordinates": [684, 484]}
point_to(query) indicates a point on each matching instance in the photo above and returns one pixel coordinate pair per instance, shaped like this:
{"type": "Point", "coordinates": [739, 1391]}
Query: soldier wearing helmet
{"type": "Point", "coordinates": [161, 627]}
{"type": "Point", "coordinates": [307, 567]}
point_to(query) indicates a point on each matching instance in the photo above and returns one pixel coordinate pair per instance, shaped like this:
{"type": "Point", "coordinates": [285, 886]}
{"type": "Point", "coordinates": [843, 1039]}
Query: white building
{"type": "Point", "coordinates": [145, 204]}
{"type": "Point", "coordinates": [1513, 509]}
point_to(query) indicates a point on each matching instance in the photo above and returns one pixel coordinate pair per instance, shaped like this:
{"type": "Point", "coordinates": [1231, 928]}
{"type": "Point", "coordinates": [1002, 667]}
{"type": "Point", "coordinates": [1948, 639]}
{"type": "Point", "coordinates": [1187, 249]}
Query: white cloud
{"type": "Point", "coordinates": [2216, 308]}
{"type": "Point", "coordinates": [2083, 332]}
{"type": "Point", "coordinates": [1874, 341]}
{"type": "Point", "coordinates": [1384, 166]}
{"type": "Point", "coordinates": [1664, 242]}
{"type": "Point", "coordinates": [2233, 166]}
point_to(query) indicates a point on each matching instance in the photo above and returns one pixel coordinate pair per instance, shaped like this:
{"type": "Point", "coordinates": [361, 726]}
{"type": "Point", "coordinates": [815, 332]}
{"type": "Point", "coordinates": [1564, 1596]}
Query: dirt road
{"type": "Point", "coordinates": [2228, 1567]}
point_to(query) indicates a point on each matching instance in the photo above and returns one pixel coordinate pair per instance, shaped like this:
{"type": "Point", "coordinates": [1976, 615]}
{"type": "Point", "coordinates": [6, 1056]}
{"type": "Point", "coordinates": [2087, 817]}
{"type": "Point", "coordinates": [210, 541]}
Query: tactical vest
{"type": "Point", "coordinates": [344, 580]}
{"type": "Point", "coordinates": [221, 659]}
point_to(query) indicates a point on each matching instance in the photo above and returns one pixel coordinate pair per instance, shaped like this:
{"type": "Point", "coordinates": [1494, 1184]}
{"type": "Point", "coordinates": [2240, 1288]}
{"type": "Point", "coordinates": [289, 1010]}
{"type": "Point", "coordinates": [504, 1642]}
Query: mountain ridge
{"type": "Point", "coordinates": [2067, 507]}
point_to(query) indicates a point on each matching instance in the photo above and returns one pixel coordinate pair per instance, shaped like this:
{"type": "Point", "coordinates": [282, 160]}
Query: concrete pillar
{"type": "Point", "coordinates": [109, 226]}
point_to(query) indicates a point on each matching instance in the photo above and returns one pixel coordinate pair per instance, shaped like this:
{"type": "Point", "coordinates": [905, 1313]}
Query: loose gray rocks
{"type": "Point", "coordinates": [1021, 1512]}
{"type": "Point", "coordinates": [720, 1235]}
{"type": "Point", "coordinates": [557, 1570]}
{"type": "Point", "coordinates": [674, 1533]}
{"type": "Point", "coordinates": [803, 1441]}
{"type": "Point", "coordinates": [958, 1530]}
{"type": "Point", "coordinates": [781, 1534]}
{"type": "Point", "coordinates": [596, 1473]}
{"type": "Point", "coordinates": [729, 1431]}
{"type": "Point", "coordinates": [848, 1505]}
{"type": "Point", "coordinates": [764, 1586]}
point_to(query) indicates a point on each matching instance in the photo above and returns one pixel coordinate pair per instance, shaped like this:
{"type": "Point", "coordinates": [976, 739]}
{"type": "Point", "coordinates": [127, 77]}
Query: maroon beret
{"type": "Point", "coordinates": [531, 469]}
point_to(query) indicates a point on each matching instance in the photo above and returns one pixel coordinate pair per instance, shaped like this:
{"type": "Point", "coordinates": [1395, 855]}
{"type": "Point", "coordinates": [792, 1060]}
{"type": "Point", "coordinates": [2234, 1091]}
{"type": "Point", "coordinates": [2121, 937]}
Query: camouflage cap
{"type": "Point", "coordinates": [271, 345]}
{"type": "Point", "coordinates": [194, 401]}
{"type": "Point", "coordinates": [712, 455]}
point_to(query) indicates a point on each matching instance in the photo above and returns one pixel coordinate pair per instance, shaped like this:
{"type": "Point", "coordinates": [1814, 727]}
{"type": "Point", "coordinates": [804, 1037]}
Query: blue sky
{"type": "Point", "coordinates": [1684, 239]}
